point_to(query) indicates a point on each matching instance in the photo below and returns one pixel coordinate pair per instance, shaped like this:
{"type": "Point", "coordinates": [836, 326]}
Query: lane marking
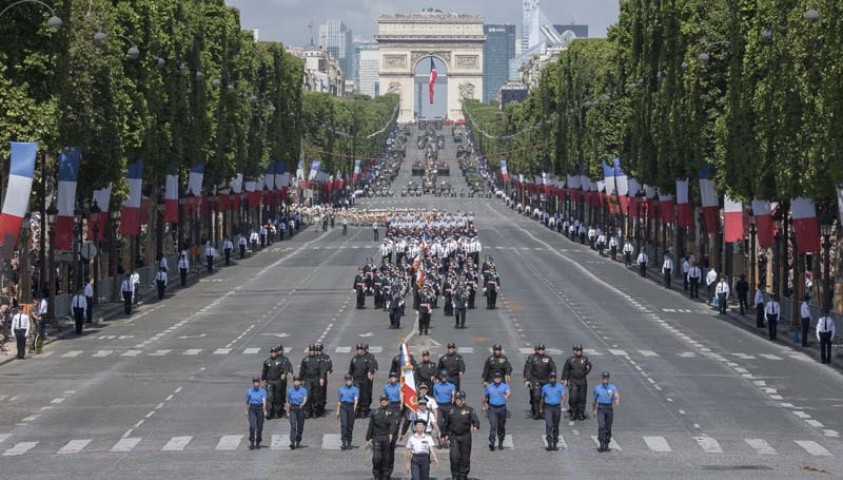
{"type": "Point", "coordinates": [177, 444]}
{"type": "Point", "coordinates": [125, 445]}
{"type": "Point", "coordinates": [813, 448]}
{"type": "Point", "coordinates": [708, 444]}
{"type": "Point", "coordinates": [229, 442]}
{"type": "Point", "coordinates": [760, 446]}
{"type": "Point", "coordinates": [20, 449]}
{"type": "Point", "coordinates": [612, 443]}
{"type": "Point", "coordinates": [74, 446]}
{"type": "Point", "coordinates": [657, 444]}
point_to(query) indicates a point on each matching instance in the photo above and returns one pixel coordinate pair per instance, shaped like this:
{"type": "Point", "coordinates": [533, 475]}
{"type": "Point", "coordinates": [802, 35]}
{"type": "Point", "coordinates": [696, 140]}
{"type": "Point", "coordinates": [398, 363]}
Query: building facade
{"type": "Point", "coordinates": [368, 72]}
{"type": "Point", "coordinates": [499, 50]}
{"type": "Point", "coordinates": [336, 38]}
{"type": "Point", "coordinates": [322, 73]}
{"type": "Point", "coordinates": [581, 31]}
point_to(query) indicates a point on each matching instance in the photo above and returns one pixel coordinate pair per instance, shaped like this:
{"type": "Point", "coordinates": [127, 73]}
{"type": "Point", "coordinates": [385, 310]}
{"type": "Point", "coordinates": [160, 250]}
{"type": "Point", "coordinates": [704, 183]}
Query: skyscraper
{"type": "Point", "coordinates": [581, 31]}
{"type": "Point", "coordinates": [497, 52]}
{"type": "Point", "coordinates": [529, 22]}
{"type": "Point", "coordinates": [367, 68]}
{"type": "Point", "coordinates": [335, 37]}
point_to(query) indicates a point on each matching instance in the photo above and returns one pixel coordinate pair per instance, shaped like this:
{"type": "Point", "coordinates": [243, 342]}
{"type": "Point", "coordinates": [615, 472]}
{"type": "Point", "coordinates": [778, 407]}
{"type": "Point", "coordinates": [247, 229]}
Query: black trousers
{"type": "Point", "coordinates": [296, 423]}
{"type": "Point", "coordinates": [642, 269]}
{"type": "Point", "coordinates": [667, 276]}
{"type": "Point", "coordinates": [210, 262]}
{"type": "Point", "coordinates": [605, 416]}
{"type": "Point", "coordinates": [535, 398]}
{"type": "Point", "coordinates": [695, 288]}
{"type": "Point", "coordinates": [396, 424]}
{"type": "Point", "coordinates": [497, 423]}
{"type": "Point", "coordinates": [361, 298]}
{"type": "Point", "coordinates": [825, 347]}
{"type": "Point", "coordinates": [242, 251]}
{"type": "Point", "coordinates": [227, 256]}
{"type": "Point", "coordinates": [685, 281]}
{"type": "Point", "coordinates": [420, 467]}
{"type": "Point", "coordinates": [255, 424]}
{"type": "Point", "coordinates": [449, 306]}
{"type": "Point", "coordinates": [375, 230]}
{"type": "Point", "coordinates": [806, 325]}
{"type": "Point", "coordinates": [759, 315]}
{"type": "Point", "coordinates": [79, 319]}
{"type": "Point", "coordinates": [613, 251]}
{"type": "Point", "coordinates": [395, 318]}
{"type": "Point", "coordinates": [579, 391]}
{"type": "Point", "coordinates": [742, 301]}
{"type": "Point", "coordinates": [312, 405]}
{"type": "Point", "coordinates": [491, 298]}
{"type": "Point", "coordinates": [276, 397]}
{"type": "Point", "coordinates": [89, 312]}
{"type": "Point", "coordinates": [365, 388]}
{"type": "Point", "coordinates": [772, 326]}
{"type": "Point", "coordinates": [627, 259]}
{"type": "Point", "coordinates": [723, 303]}
{"type": "Point", "coordinates": [20, 341]}
{"type": "Point", "coordinates": [346, 422]}
{"type": "Point", "coordinates": [383, 458]}
{"type": "Point", "coordinates": [424, 322]}
{"type": "Point", "coordinates": [161, 288]}
{"type": "Point", "coordinates": [460, 456]}
{"type": "Point", "coordinates": [552, 416]}
{"type": "Point", "coordinates": [460, 316]}
{"type": "Point", "coordinates": [183, 276]}
{"type": "Point", "coordinates": [127, 303]}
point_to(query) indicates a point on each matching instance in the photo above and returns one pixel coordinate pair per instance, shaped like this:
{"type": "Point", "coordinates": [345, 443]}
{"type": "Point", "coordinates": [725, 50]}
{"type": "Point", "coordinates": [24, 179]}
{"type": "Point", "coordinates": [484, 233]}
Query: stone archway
{"type": "Point", "coordinates": [421, 82]}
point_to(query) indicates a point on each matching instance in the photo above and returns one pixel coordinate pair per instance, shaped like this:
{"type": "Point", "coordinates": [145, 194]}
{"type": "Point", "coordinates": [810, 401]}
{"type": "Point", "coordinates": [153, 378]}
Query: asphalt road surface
{"type": "Point", "coordinates": [160, 395]}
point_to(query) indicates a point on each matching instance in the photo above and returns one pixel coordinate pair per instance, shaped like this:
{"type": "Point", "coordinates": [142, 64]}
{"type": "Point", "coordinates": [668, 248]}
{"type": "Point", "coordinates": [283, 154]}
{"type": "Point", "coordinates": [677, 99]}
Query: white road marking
{"type": "Point", "coordinates": [814, 423]}
{"type": "Point", "coordinates": [769, 356]}
{"type": "Point", "coordinates": [813, 448]}
{"type": "Point", "coordinates": [375, 349]}
{"type": "Point", "coordinates": [20, 449]}
{"type": "Point", "coordinates": [30, 418]}
{"type": "Point", "coordinates": [343, 350]}
{"type": "Point", "coordinates": [709, 445]}
{"type": "Point", "coordinates": [612, 443]}
{"type": "Point", "coordinates": [744, 356]}
{"type": "Point", "coordinates": [229, 442]}
{"type": "Point", "coordinates": [192, 351]}
{"type": "Point", "coordinates": [159, 353]}
{"type": "Point", "coordinates": [72, 354]}
{"type": "Point", "coordinates": [176, 444]}
{"type": "Point", "coordinates": [592, 353]}
{"type": "Point", "coordinates": [657, 444]}
{"type": "Point", "coordinates": [57, 401]}
{"type": "Point", "coordinates": [251, 350]}
{"type": "Point", "coordinates": [760, 446]}
{"type": "Point", "coordinates": [331, 441]}
{"type": "Point", "coordinates": [831, 433]}
{"type": "Point", "coordinates": [688, 355]}
{"type": "Point", "coordinates": [126, 444]}
{"type": "Point", "coordinates": [801, 414]}
{"type": "Point", "coordinates": [648, 353]}
{"type": "Point", "coordinates": [277, 442]}
{"type": "Point", "coordinates": [619, 353]}
{"type": "Point", "coordinates": [507, 442]}
{"type": "Point", "coordinates": [103, 353]}
{"type": "Point", "coordinates": [4, 437]}
{"type": "Point", "coordinates": [74, 446]}
{"type": "Point", "coordinates": [131, 353]}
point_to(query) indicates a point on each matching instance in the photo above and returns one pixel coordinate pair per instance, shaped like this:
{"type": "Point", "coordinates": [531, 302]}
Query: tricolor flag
{"type": "Point", "coordinates": [102, 198]}
{"type": "Point", "coordinates": [683, 218]}
{"type": "Point", "coordinates": [763, 213]}
{"type": "Point", "coordinates": [709, 200]}
{"type": "Point", "coordinates": [16, 202]}
{"type": "Point", "coordinates": [621, 186]}
{"type": "Point", "coordinates": [130, 216]}
{"type": "Point", "coordinates": [734, 220]}
{"type": "Point", "coordinates": [433, 75]}
{"type": "Point", "coordinates": [338, 181]}
{"type": "Point", "coordinates": [504, 171]}
{"type": "Point", "coordinates": [314, 172]}
{"type": "Point", "coordinates": [805, 225]}
{"type": "Point", "coordinates": [408, 380]}
{"type": "Point", "coordinates": [649, 200]}
{"type": "Point", "coordinates": [667, 207]}
{"type": "Point", "coordinates": [252, 194]}
{"type": "Point", "coordinates": [194, 181]}
{"type": "Point", "coordinates": [632, 196]}
{"type": "Point", "coordinates": [280, 186]}
{"type": "Point", "coordinates": [356, 176]}
{"type": "Point", "coordinates": [236, 184]}
{"type": "Point", "coordinates": [171, 199]}
{"type": "Point", "coordinates": [300, 175]}
{"type": "Point", "coordinates": [66, 197]}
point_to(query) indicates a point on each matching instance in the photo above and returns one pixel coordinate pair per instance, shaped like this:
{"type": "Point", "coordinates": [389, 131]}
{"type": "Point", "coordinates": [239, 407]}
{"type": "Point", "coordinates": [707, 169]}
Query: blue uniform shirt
{"type": "Point", "coordinates": [496, 394]}
{"type": "Point", "coordinates": [393, 392]}
{"type": "Point", "coordinates": [552, 393]}
{"type": "Point", "coordinates": [605, 393]}
{"type": "Point", "coordinates": [255, 396]}
{"type": "Point", "coordinates": [442, 392]}
{"type": "Point", "coordinates": [348, 394]}
{"type": "Point", "coordinates": [296, 395]}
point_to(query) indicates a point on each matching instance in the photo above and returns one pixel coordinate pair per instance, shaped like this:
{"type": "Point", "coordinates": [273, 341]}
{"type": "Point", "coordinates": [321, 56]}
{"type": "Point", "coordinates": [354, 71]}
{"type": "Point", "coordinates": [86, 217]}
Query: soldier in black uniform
{"type": "Point", "coordinates": [395, 366]}
{"type": "Point", "coordinates": [395, 309]}
{"type": "Point", "coordinates": [460, 298]}
{"type": "Point", "coordinates": [536, 374]}
{"type": "Point", "coordinates": [360, 288]}
{"type": "Point", "coordinates": [274, 375]}
{"type": "Point", "coordinates": [425, 371]}
{"type": "Point", "coordinates": [373, 362]}
{"type": "Point", "coordinates": [362, 375]}
{"type": "Point", "coordinates": [574, 376]}
{"type": "Point", "coordinates": [379, 439]}
{"type": "Point", "coordinates": [497, 362]}
{"type": "Point", "coordinates": [491, 284]}
{"type": "Point", "coordinates": [471, 283]}
{"type": "Point", "coordinates": [377, 285]}
{"type": "Point", "coordinates": [448, 293]}
{"type": "Point", "coordinates": [453, 363]}
{"type": "Point", "coordinates": [457, 428]}
{"type": "Point", "coordinates": [327, 369]}
{"type": "Point", "coordinates": [426, 298]}
{"type": "Point", "coordinates": [311, 374]}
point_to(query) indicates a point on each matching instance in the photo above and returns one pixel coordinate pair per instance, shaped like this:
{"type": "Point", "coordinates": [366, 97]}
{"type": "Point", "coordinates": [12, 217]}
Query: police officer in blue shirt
{"type": "Point", "coordinates": [443, 393]}
{"type": "Point", "coordinates": [392, 390]}
{"type": "Point", "coordinates": [348, 398]}
{"type": "Point", "coordinates": [297, 398]}
{"type": "Point", "coordinates": [606, 397]}
{"type": "Point", "coordinates": [255, 411]}
{"type": "Point", "coordinates": [494, 400]}
{"type": "Point", "coordinates": [554, 394]}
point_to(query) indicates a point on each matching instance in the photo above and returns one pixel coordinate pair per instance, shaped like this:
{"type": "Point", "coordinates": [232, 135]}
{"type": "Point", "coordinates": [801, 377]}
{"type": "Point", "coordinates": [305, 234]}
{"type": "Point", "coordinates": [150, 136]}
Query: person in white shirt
{"type": "Point", "coordinates": [127, 289]}
{"type": "Point", "coordinates": [184, 266]}
{"type": "Point", "coordinates": [263, 234]}
{"type": "Point", "coordinates": [161, 279]}
{"type": "Point", "coordinates": [805, 318]}
{"type": "Point", "coordinates": [210, 254]}
{"type": "Point", "coordinates": [89, 296]}
{"type": "Point", "coordinates": [722, 290]}
{"type": "Point", "coordinates": [826, 331]}
{"type": "Point", "coordinates": [686, 267]}
{"type": "Point", "coordinates": [20, 327]}
{"type": "Point", "coordinates": [344, 225]}
{"type": "Point", "coordinates": [694, 277]}
{"type": "Point", "coordinates": [420, 452]}
{"type": "Point", "coordinates": [78, 305]}
{"type": "Point", "coordinates": [241, 244]}
{"type": "Point", "coordinates": [227, 247]}
{"type": "Point", "coordinates": [613, 246]}
{"type": "Point", "coordinates": [759, 307]}
{"type": "Point", "coordinates": [253, 240]}
{"type": "Point", "coordinates": [710, 281]}
{"type": "Point", "coordinates": [375, 229]}
{"type": "Point", "coordinates": [642, 262]}
{"type": "Point", "coordinates": [135, 287]}
{"type": "Point", "coordinates": [667, 270]}
{"type": "Point", "coordinates": [426, 414]}
{"type": "Point", "coordinates": [627, 253]}
{"type": "Point", "coordinates": [164, 263]}
{"type": "Point", "coordinates": [601, 242]}
{"type": "Point", "coordinates": [772, 311]}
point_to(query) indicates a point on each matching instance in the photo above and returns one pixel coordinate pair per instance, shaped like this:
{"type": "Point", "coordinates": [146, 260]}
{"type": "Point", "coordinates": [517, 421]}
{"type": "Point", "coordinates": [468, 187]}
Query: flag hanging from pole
{"type": "Point", "coordinates": [683, 215]}
{"type": "Point", "coordinates": [16, 202]}
{"type": "Point", "coordinates": [805, 225]}
{"type": "Point", "coordinates": [408, 380]}
{"type": "Point", "coordinates": [733, 217]}
{"type": "Point", "coordinates": [433, 75]}
{"type": "Point", "coordinates": [102, 198]}
{"type": "Point", "coordinates": [171, 199]}
{"type": "Point", "coordinates": [66, 197]}
{"type": "Point", "coordinates": [710, 201]}
{"type": "Point", "coordinates": [762, 211]}
{"type": "Point", "coordinates": [130, 216]}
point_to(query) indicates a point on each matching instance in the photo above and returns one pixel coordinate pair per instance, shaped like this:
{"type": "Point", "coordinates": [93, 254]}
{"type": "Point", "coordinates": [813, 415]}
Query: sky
{"type": "Point", "coordinates": [286, 20]}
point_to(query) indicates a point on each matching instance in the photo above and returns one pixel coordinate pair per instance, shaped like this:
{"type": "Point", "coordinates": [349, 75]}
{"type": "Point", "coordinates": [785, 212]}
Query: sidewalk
{"type": "Point", "coordinates": [114, 310]}
{"type": "Point", "coordinates": [747, 321]}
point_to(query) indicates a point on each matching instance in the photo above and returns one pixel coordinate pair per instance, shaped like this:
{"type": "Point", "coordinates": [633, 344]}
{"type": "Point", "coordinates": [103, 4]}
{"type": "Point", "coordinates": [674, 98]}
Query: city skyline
{"type": "Point", "coordinates": [287, 20]}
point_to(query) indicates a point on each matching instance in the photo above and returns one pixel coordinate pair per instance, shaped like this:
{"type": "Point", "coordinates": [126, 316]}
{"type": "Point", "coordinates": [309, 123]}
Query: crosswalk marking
{"type": "Point", "coordinates": [74, 446]}
{"type": "Point", "coordinates": [103, 353]}
{"type": "Point", "coordinates": [769, 356]}
{"type": "Point", "coordinates": [744, 356]}
{"type": "Point", "coordinates": [126, 444]}
{"type": "Point", "coordinates": [192, 351]}
{"type": "Point", "coordinates": [177, 444]}
{"type": "Point", "coordinates": [131, 353]}
{"type": "Point", "coordinates": [688, 355]}
{"type": "Point", "coordinates": [159, 353]}
{"type": "Point", "coordinates": [657, 444]}
{"type": "Point", "coordinates": [619, 353]}
{"type": "Point", "coordinates": [508, 443]}
{"type": "Point", "coordinates": [251, 350]}
{"type": "Point", "coordinates": [760, 446]}
{"type": "Point", "coordinates": [277, 442]}
{"type": "Point", "coordinates": [648, 353]}
{"type": "Point", "coordinates": [4, 436]}
{"type": "Point", "coordinates": [331, 441]}
{"type": "Point", "coordinates": [343, 350]}
{"type": "Point", "coordinates": [229, 442]}
{"type": "Point", "coordinates": [612, 443]}
{"type": "Point", "coordinates": [813, 448]}
{"type": "Point", "coordinates": [222, 351]}
{"type": "Point", "coordinates": [20, 449]}
{"type": "Point", "coordinates": [563, 445]}
{"type": "Point", "coordinates": [375, 349]}
{"type": "Point", "coordinates": [72, 354]}
{"type": "Point", "coordinates": [709, 445]}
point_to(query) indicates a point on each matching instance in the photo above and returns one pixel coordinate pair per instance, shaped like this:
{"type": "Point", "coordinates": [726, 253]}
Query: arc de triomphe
{"type": "Point", "coordinates": [455, 39]}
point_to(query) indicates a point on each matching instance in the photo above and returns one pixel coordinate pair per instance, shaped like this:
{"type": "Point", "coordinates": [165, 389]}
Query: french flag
{"type": "Point", "coordinates": [504, 171]}
{"type": "Point", "coordinates": [252, 195]}
{"type": "Point", "coordinates": [102, 198]}
{"type": "Point", "coordinates": [763, 213]}
{"type": "Point", "coordinates": [649, 199]}
{"type": "Point", "coordinates": [356, 175]}
{"type": "Point", "coordinates": [433, 76]}
{"type": "Point", "coordinates": [667, 206]}
{"type": "Point", "coordinates": [621, 186]}
{"type": "Point", "coordinates": [314, 171]}
{"type": "Point", "coordinates": [408, 380]}
{"type": "Point", "coordinates": [574, 187]}
{"type": "Point", "coordinates": [611, 187]}
{"type": "Point", "coordinates": [805, 225]}
{"type": "Point", "coordinates": [683, 219]}
{"type": "Point", "coordinates": [280, 168]}
{"type": "Point", "coordinates": [632, 196]}
{"type": "Point", "coordinates": [734, 220]}
{"type": "Point", "coordinates": [195, 179]}
{"type": "Point", "coordinates": [709, 200]}
{"type": "Point", "coordinates": [130, 216]}
{"type": "Point", "coordinates": [66, 197]}
{"type": "Point", "coordinates": [236, 184]}
{"type": "Point", "coordinates": [171, 199]}
{"type": "Point", "coordinates": [16, 202]}
{"type": "Point", "coordinates": [338, 181]}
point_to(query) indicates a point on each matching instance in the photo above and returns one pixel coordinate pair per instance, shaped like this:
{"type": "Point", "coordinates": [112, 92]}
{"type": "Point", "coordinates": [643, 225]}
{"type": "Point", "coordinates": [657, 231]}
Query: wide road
{"type": "Point", "coordinates": [160, 395]}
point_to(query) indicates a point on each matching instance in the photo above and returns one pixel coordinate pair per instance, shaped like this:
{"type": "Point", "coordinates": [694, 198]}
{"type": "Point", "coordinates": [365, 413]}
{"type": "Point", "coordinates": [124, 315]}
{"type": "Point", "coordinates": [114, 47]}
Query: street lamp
{"type": "Point", "coordinates": [52, 212]}
{"type": "Point", "coordinates": [826, 229]}
{"type": "Point", "coordinates": [53, 23]}
{"type": "Point", "coordinates": [78, 214]}
{"type": "Point", "coordinates": [812, 16]}
{"type": "Point", "coordinates": [95, 220]}
{"type": "Point", "coordinates": [159, 236]}
{"type": "Point", "coordinates": [112, 263]}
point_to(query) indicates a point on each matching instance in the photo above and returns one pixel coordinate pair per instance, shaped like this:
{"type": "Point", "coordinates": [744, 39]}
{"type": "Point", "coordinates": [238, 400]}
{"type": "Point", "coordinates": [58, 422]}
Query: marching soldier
{"type": "Point", "coordinates": [643, 259]}
{"type": "Point", "coordinates": [311, 375]}
{"type": "Point", "coordinates": [255, 411]}
{"type": "Point", "coordinates": [497, 362]}
{"type": "Point", "coordinates": [453, 364]}
{"type": "Point", "coordinates": [667, 270]}
{"type": "Point", "coordinates": [574, 376]}
{"type": "Point", "coordinates": [379, 439]}
{"type": "Point", "coordinates": [536, 374]}
{"type": "Point", "coordinates": [606, 397]}
{"type": "Point", "coordinates": [396, 309]}
{"type": "Point", "coordinates": [360, 288]}
{"type": "Point", "coordinates": [613, 246]}
{"type": "Point", "coordinates": [373, 363]}
{"type": "Point", "coordinates": [460, 299]}
{"type": "Point", "coordinates": [392, 390]}
{"type": "Point", "coordinates": [347, 402]}
{"type": "Point", "coordinates": [274, 375]}
{"type": "Point", "coordinates": [471, 283]}
{"type": "Point", "coordinates": [495, 397]}
{"type": "Point", "coordinates": [396, 363]}
{"type": "Point", "coordinates": [377, 284]}
{"type": "Point", "coordinates": [362, 374]}
{"type": "Point", "coordinates": [493, 284]}
{"type": "Point", "coordinates": [241, 243]}
{"type": "Point", "coordinates": [448, 291]}
{"type": "Point", "coordinates": [426, 370]}
{"type": "Point", "coordinates": [694, 277]}
{"type": "Point", "coordinates": [426, 299]}
{"type": "Point", "coordinates": [327, 369]}
{"type": "Point", "coordinates": [460, 422]}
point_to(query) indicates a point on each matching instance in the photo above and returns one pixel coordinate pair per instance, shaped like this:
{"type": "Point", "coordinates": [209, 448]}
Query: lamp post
{"type": "Point", "coordinates": [52, 211]}
{"type": "Point", "coordinates": [159, 234]}
{"type": "Point", "coordinates": [191, 197]}
{"type": "Point", "coordinates": [112, 261]}
{"type": "Point", "coordinates": [753, 267]}
{"type": "Point", "coordinates": [95, 221]}
{"type": "Point", "coordinates": [826, 229]}
{"type": "Point", "coordinates": [53, 23]}
{"type": "Point", "coordinates": [79, 215]}
{"type": "Point", "coordinates": [182, 204]}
